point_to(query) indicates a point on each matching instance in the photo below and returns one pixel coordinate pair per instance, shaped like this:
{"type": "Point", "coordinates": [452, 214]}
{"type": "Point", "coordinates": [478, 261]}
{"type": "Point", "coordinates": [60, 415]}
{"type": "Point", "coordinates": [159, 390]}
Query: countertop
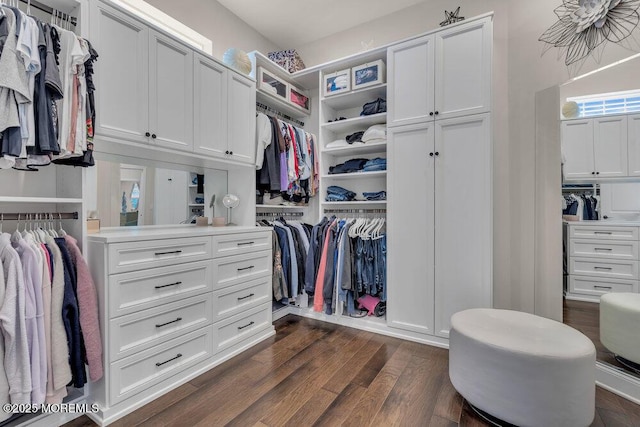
{"type": "Point", "coordinates": [126, 234]}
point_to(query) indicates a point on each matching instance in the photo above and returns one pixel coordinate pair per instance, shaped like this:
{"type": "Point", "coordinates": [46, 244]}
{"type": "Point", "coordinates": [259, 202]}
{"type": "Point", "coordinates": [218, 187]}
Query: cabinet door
{"type": "Point", "coordinates": [577, 149]}
{"type": "Point", "coordinates": [410, 233]}
{"type": "Point", "coordinates": [464, 217]}
{"type": "Point", "coordinates": [171, 93]}
{"type": "Point", "coordinates": [633, 138]}
{"type": "Point", "coordinates": [410, 82]}
{"type": "Point", "coordinates": [463, 70]}
{"type": "Point", "coordinates": [242, 118]}
{"type": "Point", "coordinates": [122, 88]}
{"type": "Point", "coordinates": [610, 146]}
{"type": "Point", "coordinates": [210, 101]}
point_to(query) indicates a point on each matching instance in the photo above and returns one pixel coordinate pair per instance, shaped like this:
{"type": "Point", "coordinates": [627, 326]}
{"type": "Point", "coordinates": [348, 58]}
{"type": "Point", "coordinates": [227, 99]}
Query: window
{"type": "Point", "coordinates": [608, 103]}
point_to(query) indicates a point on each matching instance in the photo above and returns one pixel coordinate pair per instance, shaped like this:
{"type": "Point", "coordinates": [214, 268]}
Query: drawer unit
{"type": "Point", "coordinates": [235, 299]}
{"type": "Point", "coordinates": [603, 232]}
{"type": "Point", "coordinates": [135, 332]}
{"type": "Point", "coordinates": [615, 269]}
{"type": "Point", "coordinates": [604, 249]}
{"type": "Point", "coordinates": [231, 270]}
{"type": "Point", "coordinates": [235, 329]}
{"type": "Point", "coordinates": [131, 292]}
{"type": "Point", "coordinates": [596, 286]}
{"type": "Point", "coordinates": [130, 256]}
{"type": "Point", "coordinates": [133, 374]}
{"type": "Point", "coordinates": [234, 244]}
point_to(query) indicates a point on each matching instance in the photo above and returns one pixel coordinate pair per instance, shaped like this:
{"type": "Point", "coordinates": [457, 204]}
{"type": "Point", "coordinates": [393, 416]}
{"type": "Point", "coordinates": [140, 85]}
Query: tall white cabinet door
{"type": "Point", "coordinates": [242, 118]}
{"type": "Point", "coordinates": [210, 100]}
{"type": "Point", "coordinates": [171, 93]}
{"type": "Point", "coordinates": [410, 82]}
{"type": "Point", "coordinates": [577, 149]}
{"type": "Point", "coordinates": [633, 138]}
{"type": "Point", "coordinates": [463, 70]}
{"type": "Point", "coordinates": [410, 233]}
{"type": "Point", "coordinates": [610, 146]}
{"type": "Point", "coordinates": [122, 87]}
{"type": "Point", "coordinates": [463, 218]}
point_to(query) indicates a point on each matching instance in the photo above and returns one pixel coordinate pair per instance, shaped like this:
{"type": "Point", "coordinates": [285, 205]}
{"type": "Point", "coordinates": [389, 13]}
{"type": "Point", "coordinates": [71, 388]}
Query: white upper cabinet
{"type": "Point", "coordinates": [210, 96]}
{"type": "Point", "coordinates": [122, 88]}
{"type": "Point", "coordinates": [171, 93]}
{"type": "Point", "coordinates": [411, 79]}
{"type": "Point", "coordinates": [442, 75]}
{"type": "Point", "coordinates": [595, 148]}
{"type": "Point", "coordinates": [633, 136]}
{"type": "Point", "coordinates": [242, 126]}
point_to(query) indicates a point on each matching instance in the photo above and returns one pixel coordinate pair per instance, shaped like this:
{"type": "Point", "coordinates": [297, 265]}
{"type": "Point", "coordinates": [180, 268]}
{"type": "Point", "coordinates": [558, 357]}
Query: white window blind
{"type": "Point", "coordinates": [608, 103]}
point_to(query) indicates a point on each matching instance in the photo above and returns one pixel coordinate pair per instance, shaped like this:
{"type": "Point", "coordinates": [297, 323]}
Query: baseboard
{"type": "Point", "coordinates": [618, 382]}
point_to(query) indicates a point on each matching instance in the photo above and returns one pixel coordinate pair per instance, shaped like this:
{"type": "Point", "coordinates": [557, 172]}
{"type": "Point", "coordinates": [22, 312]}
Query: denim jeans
{"type": "Point", "coordinates": [379, 195]}
{"type": "Point", "coordinates": [377, 164]}
{"type": "Point", "coordinates": [352, 165]}
{"type": "Point", "coordinates": [339, 194]}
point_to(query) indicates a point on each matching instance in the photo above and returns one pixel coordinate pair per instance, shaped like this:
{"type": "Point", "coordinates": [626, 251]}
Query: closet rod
{"type": "Point", "coordinates": [265, 108]}
{"type": "Point", "coordinates": [355, 211]}
{"type": "Point", "coordinates": [38, 216]}
{"type": "Point", "coordinates": [281, 213]}
{"type": "Point", "coordinates": [50, 10]}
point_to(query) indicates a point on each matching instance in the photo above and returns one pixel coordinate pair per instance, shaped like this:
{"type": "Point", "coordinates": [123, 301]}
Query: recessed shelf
{"type": "Point", "coordinates": [196, 205]}
{"type": "Point", "coordinates": [281, 105]}
{"type": "Point", "coordinates": [355, 175]}
{"type": "Point", "coordinates": [358, 203]}
{"type": "Point", "coordinates": [356, 147]}
{"type": "Point", "coordinates": [355, 98]}
{"type": "Point", "coordinates": [59, 200]}
{"type": "Point", "coordinates": [280, 207]}
{"type": "Point", "coordinates": [356, 123]}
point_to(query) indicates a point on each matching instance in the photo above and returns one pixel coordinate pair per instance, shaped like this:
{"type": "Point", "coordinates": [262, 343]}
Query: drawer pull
{"type": "Point", "coordinates": [603, 268]}
{"type": "Point", "coordinates": [602, 287]}
{"type": "Point", "coordinates": [603, 249]}
{"type": "Point", "coordinates": [247, 325]}
{"type": "Point", "coordinates": [603, 232]}
{"type": "Point", "coordinates": [168, 253]}
{"type": "Point", "coordinates": [168, 323]}
{"type": "Point", "coordinates": [170, 284]}
{"type": "Point", "coordinates": [245, 243]}
{"type": "Point", "coordinates": [246, 268]}
{"type": "Point", "coordinates": [248, 296]}
{"type": "Point", "coordinates": [178, 356]}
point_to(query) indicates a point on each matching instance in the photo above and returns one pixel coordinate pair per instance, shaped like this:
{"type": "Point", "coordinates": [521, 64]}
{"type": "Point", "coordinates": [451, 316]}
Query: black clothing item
{"type": "Point", "coordinates": [200, 184]}
{"type": "Point", "coordinates": [268, 178]}
{"type": "Point", "coordinates": [355, 137]}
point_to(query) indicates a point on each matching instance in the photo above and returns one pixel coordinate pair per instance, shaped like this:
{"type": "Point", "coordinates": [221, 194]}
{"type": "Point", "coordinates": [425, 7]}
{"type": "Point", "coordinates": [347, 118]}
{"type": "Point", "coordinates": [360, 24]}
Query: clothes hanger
{"type": "Point", "coordinates": [61, 232]}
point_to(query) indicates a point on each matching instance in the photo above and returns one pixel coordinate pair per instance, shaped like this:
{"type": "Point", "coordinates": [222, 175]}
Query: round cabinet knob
{"type": "Point", "coordinates": [231, 152]}
{"type": "Point", "coordinates": [597, 173]}
{"type": "Point", "coordinates": [153, 135]}
{"type": "Point", "coordinates": [431, 113]}
{"type": "Point", "coordinates": [437, 113]}
{"type": "Point", "coordinates": [431, 154]}
{"type": "Point", "coordinates": [147, 134]}
{"type": "Point", "coordinates": [226, 152]}
{"type": "Point", "coordinates": [437, 153]}
{"type": "Point", "coordinates": [593, 173]}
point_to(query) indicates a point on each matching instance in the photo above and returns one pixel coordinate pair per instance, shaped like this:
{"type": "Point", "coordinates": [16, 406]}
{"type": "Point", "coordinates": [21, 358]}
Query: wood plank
{"type": "Point", "coordinates": [468, 418]}
{"type": "Point", "coordinates": [339, 410]}
{"type": "Point", "coordinates": [437, 421]}
{"type": "Point", "coordinates": [449, 402]}
{"type": "Point", "coordinates": [311, 410]}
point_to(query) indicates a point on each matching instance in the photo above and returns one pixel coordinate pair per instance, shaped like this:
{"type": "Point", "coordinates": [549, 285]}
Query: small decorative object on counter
{"type": "Point", "coordinates": [287, 59]}
{"type": "Point", "coordinates": [452, 17]}
{"type": "Point", "coordinates": [570, 110]}
{"type": "Point", "coordinates": [238, 60]}
{"type": "Point", "coordinates": [230, 201]}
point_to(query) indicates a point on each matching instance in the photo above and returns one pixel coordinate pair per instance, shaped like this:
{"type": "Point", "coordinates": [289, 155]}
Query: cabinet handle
{"type": "Point", "coordinates": [593, 173]}
{"type": "Point", "coordinates": [437, 113]}
{"type": "Point", "coordinates": [226, 152]}
{"type": "Point", "coordinates": [178, 356]}
{"type": "Point", "coordinates": [247, 325]}
{"type": "Point", "coordinates": [430, 154]}
{"type": "Point", "coordinates": [147, 134]}
{"type": "Point", "coordinates": [597, 173]}
{"type": "Point", "coordinates": [168, 253]}
{"type": "Point", "coordinates": [245, 243]}
{"type": "Point", "coordinates": [602, 287]}
{"type": "Point", "coordinates": [153, 135]}
{"type": "Point", "coordinates": [231, 152]}
{"type": "Point", "coordinates": [248, 296]}
{"type": "Point", "coordinates": [437, 153]}
{"type": "Point", "coordinates": [246, 268]}
{"type": "Point", "coordinates": [170, 284]}
{"type": "Point", "coordinates": [608, 233]}
{"type": "Point", "coordinates": [431, 113]}
{"type": "Point", "coordinates": [603, 249]}
{"type": "Point", "coordinates": [168, 323]}
{"type": "Point", "coordinates": [603, 268]}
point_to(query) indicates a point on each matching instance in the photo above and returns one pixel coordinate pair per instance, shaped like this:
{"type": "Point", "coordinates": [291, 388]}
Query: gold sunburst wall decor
{"type": "Point", "coordinates": [585, 26]}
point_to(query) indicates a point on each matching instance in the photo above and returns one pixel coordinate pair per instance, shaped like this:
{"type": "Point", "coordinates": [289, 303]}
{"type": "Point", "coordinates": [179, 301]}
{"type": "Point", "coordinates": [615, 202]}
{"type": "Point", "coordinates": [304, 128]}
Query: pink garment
{"type": "Point", "coordinates": [88, 307]}
{"type": "Point", "coordinates": [318, 300]}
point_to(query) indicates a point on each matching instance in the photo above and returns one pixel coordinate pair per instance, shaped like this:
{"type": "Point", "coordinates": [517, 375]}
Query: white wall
{"type": "Point", "coordinates": [216, 22]}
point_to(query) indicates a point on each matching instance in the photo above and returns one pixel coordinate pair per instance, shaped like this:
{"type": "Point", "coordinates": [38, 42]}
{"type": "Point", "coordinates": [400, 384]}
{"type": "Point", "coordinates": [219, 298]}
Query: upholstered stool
{"type": "Point", "coordinates": [620, 324]}
{"type": "Point", "coordinates": [523, 369]}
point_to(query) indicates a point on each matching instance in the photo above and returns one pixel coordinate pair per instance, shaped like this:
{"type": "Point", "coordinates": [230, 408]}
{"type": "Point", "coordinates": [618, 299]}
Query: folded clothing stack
{"type": "Point", "coordinates": [339, 194]}
{"type": "Point", "coordinates": [378, 195]}
{"type": "Point", "coordinates": [374, 134]}
{"type": "Point", "coordinates": [352, 165]}
{"type": "Point", "coordinates": [373, 165]}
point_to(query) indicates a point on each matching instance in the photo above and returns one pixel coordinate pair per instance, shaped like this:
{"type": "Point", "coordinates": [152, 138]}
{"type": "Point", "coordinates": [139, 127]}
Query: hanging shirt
{"type": "Point", "coordinates": [263, 137]}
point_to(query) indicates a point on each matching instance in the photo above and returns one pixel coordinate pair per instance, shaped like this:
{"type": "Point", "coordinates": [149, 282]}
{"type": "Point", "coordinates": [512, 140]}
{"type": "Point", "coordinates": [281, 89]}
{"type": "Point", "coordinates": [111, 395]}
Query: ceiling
{"type": "Point", "coordinates": [285, 22]}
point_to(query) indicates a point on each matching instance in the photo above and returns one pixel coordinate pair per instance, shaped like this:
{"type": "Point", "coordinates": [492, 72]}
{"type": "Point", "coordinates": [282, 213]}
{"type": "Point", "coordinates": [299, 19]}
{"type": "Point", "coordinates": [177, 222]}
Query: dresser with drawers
{"type": "Point", "coordinates": [602, 257]}
{"type": "Point", "coordinates": [174, 303]}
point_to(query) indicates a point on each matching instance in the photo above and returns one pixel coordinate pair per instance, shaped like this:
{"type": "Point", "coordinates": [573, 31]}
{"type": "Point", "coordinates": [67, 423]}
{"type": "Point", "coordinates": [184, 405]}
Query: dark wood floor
{"type": "Point", "coordinates": [315, 373]}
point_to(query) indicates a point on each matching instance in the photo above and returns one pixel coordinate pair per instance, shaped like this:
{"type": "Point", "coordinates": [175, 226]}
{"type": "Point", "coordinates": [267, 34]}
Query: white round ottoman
{"type": "Point", "coordinates": [620, 324]}
{"type": "Point", "coordinates": [523, 369]}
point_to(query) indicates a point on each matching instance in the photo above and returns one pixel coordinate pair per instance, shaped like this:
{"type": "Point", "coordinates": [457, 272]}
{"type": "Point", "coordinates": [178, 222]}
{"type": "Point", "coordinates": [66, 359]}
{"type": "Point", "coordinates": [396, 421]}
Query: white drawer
{"type": "Point", "coordinates": [133, 374]}
{"type": "Point", "coordinates": [232, 300]}
{"type": "Point", "coordinates": [138, 331]}
{"type": "Point", "coordinates": [603, 232]}
{"type": "Point", "coordinates": [604, 268]}
{"type": "Point", "coordinates": [604, 249]}
{"type": "Point", "coordinates": [132, 256]}
{"type": "Point", "coordinates": [131, 292]}
{"type": "Point", "coordinates": [235, 329]}
{"type": "Point", "coordinates": [598, 286]}
{"type": "Point", "coordinates": [234, 244]}
{"type": "Point", "coordinates": [241, 268]}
